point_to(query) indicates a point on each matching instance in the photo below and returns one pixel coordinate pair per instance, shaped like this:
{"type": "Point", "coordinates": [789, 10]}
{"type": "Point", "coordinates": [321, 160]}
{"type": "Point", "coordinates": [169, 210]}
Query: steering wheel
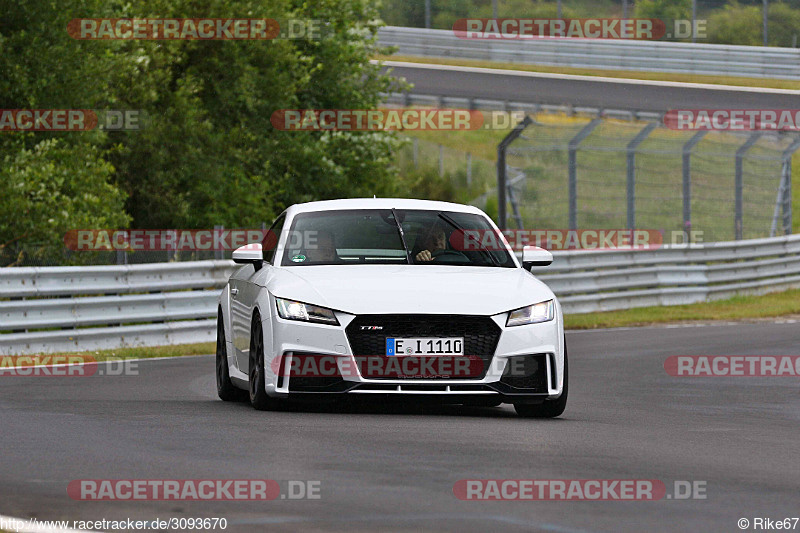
{"type": "Point", "coordinates": [448, 256]}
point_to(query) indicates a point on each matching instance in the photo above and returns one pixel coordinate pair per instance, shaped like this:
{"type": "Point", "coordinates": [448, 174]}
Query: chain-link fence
{"type": "Point", "coordinates": [462, 177]}
{"type": "Point", "coordinates": [588, 172]}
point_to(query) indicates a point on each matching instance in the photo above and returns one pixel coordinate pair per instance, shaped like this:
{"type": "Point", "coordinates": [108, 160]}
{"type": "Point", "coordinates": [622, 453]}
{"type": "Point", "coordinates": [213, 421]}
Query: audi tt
{"type": "Point", "coordinates": [395, 298]}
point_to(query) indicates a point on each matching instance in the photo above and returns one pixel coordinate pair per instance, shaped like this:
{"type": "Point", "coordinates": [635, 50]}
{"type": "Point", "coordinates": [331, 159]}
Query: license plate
{"type": "Point", "coordinates": [425, 346]}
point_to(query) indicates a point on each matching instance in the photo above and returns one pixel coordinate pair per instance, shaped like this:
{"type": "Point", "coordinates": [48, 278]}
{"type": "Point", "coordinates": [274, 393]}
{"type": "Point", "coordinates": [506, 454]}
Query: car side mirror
{"type": "Point", "coordinates": [534, 256]}
{"type": "Point", "coordinates": [249, 253]}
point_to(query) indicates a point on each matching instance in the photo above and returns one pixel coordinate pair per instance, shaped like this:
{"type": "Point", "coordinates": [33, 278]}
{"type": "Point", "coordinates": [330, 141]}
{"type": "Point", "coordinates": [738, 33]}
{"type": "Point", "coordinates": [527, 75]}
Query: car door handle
{"type": "Point", "coordinates": [234, 292]}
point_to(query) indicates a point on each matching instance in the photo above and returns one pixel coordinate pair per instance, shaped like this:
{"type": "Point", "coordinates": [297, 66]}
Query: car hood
{"type": "Point", "coordinates": [406, 289]}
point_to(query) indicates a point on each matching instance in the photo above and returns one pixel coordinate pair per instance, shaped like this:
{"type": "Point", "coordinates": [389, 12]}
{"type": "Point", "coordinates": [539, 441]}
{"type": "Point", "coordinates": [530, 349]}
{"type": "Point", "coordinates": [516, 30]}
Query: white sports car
{"type": "Point", "coordinates": [388, 297]}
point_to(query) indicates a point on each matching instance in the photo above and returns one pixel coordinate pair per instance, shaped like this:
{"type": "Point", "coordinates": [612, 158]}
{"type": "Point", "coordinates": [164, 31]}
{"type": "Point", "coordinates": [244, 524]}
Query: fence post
{"type": "Point", "coordinates": [501, 168]}
{"type": "Point", "coordinates": [172, 252]}
{"type": "Point", "coordinates": [787, 189]}
{"type": "Point", "coordinates": [218, 254]}
{"type": "Point", "coordinates": [428, 14]}
{"type": "Point", "coordinates": [737, 225]}
{"type": "Point", "coordinates": [573, 170]}
{"type": "Point", "coordinates": [779, 198]}
{"type": "Point", "coordinates": [687, 178]}
{"type": "Point", "coordinates": [631, 171]}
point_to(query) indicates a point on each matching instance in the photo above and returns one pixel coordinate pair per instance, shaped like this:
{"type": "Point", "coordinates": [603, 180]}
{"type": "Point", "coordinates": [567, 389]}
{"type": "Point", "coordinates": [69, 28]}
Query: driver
{"type": "Point", "coordinates": [434, 241]}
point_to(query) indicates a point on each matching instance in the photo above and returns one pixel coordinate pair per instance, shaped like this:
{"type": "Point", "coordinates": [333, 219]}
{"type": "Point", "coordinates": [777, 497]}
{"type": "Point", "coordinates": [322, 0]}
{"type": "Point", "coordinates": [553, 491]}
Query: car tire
{"type": "Point", "coordinates": [226, 391]}
{"type": "Point", "coordinates": [548, 408]}
{"type": "Point", "coordinates": [258, 394]}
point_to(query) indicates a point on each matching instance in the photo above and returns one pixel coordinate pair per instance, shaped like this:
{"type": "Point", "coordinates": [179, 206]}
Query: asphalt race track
{"type": "Point", "coordinates": [591, 92]}
{"type": "Point", "coordinates": [394, 467]}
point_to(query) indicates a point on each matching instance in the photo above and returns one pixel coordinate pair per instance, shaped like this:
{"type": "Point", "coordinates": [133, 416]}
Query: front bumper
{"type": "Point", "coordinates": [521, 364]}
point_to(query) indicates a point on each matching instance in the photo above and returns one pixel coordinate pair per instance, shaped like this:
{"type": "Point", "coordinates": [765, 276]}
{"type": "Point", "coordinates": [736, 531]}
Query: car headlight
{"type": "Point", "coordinates": [533, 314]}
{"type": "Point", "coordinates": [291, 310]}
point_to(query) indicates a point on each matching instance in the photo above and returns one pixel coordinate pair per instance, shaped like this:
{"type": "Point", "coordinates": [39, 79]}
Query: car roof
{"type": "Point", "coordinates": [381, 203]}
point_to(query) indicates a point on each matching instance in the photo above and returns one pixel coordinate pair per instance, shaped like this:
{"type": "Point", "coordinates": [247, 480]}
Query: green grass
{"type": "Point", "coordinates": [632, 74]}
{"type": "Point", "coordinates": [734, 309]}
{"type": "Point", "coordinates": [148, 352]}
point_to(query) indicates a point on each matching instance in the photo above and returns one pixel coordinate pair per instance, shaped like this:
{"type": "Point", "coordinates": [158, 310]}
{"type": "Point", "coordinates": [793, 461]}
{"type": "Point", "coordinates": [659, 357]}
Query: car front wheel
{"type": "Point", "coordinates": [258, 393]}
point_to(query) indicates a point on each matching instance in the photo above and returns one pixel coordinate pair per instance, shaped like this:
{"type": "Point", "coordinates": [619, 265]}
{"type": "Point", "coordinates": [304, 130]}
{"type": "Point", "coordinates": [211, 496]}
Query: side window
{"type": "Point", "coordinates": [270, 243]}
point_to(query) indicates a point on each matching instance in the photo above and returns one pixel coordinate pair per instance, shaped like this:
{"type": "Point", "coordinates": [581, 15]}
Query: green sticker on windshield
{"type": "Point", "coordinates": [299, 258]}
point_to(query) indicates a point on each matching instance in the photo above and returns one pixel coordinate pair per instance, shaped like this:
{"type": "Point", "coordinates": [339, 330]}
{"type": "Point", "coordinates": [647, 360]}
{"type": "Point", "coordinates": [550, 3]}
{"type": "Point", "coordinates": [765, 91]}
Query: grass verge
{"type": "Point", "coordinates": [148, 352]}
{"type": "Point", "coordinates": [740, 308]}
{"type": "Point", "coordinates": [631, 74]}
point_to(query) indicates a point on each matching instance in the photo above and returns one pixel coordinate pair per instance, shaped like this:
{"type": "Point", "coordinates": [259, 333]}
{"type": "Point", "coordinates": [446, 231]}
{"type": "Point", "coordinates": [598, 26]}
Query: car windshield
{"type": "Point", "coordinates": [372, 236]}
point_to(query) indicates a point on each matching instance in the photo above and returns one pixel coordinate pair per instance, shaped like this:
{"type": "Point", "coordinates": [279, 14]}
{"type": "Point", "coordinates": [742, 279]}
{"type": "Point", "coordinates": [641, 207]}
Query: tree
{"type": "Point", "coordinates": [51, 189]}
{"type": "Point", "coordinates": [666, 10]}
{"type": "Point", "coordinates": [209, 154]}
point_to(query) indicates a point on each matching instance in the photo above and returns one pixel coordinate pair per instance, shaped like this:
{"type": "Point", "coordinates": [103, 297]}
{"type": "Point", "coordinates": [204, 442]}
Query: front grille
{"type": "Point", "coordinates": [528, 372]}
{"type": "Point", "coordinates": [481, 336]}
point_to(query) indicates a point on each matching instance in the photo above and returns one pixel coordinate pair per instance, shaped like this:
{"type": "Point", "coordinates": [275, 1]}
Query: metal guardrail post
{"type": "Point", "coordinates": [779, 198]}
{"type": "Point", "coordinates": [787, 189]}
{"type": "Point", "coordinates": [218, 253]}
{"type": "Point", "coordinates": [501, 168]}
{"type": "Point", "coordinates": [573, 170]}
{"type": "Point", "coordinates": [631, 171]}
{"type": "Point", "coordinates": [428, 14]}
{"type": "Point", "coordinates": [740, 183]}
{"type": "Point", "coordinates": [687, 178]}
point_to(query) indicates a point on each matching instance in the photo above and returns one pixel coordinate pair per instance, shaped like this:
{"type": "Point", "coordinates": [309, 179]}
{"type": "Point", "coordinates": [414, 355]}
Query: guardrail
{"type": "Point", "coordinates": [653, 56]}
{"type": "Point", "coordinates": [605, 280]}
{"type": "Point", "coordinates": [61, 309]}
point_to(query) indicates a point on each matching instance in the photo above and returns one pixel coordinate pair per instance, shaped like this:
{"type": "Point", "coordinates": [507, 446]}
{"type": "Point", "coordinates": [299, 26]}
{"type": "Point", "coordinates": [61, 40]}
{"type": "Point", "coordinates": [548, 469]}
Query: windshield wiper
{"type": "Point", "coordinates": [402, 236]}
{"type": "Point", "coordinates": [455, 224]}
